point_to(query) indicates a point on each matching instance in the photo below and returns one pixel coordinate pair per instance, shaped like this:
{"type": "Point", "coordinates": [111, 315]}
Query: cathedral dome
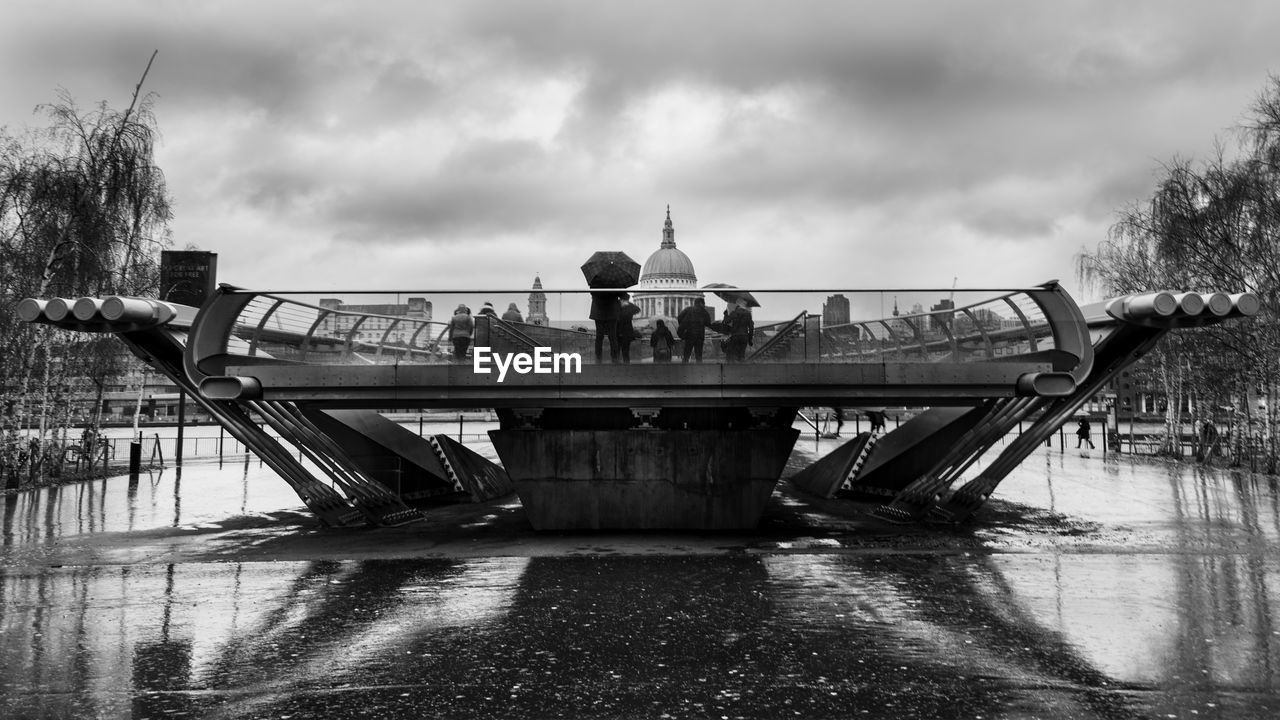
{"type": "Point", "coordinates": [668, 276]}
{"type": "Point", "coordinates": [668, 265]}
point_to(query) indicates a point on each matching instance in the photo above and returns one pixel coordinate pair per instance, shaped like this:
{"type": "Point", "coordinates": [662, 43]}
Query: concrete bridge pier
{"type": "Point", "coordinates": [645, 468]}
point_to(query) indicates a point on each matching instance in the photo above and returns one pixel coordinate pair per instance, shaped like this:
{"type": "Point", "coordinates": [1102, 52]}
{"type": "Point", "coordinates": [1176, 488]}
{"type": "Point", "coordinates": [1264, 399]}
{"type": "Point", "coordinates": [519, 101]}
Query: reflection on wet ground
{"type": "Point", "coordinates": [1111, 588]}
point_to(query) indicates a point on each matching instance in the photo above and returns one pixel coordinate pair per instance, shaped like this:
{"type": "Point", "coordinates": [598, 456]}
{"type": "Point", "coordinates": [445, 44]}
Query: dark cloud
{"type": "Point", "coordinates": [805, 122]}
{"type": "Point", "coordinates": [484, 187]}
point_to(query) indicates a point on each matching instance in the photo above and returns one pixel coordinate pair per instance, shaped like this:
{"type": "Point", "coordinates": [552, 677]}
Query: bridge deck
{"type": "Point", "coordinates": [773, 384]}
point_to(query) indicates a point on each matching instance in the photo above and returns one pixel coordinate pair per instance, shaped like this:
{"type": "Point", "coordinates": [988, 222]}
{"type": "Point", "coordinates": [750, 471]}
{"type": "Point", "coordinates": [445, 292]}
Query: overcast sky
{"type": "Point", "coordinates": [423, 145]}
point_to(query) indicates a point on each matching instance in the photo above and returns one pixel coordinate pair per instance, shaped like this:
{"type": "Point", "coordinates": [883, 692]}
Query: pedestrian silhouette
{"type": "Point", "coordinates": [1083, 431]}
{"type": "Point", "coordinates": [459, 330]}
{"type": "Point", "coordinates": [605, 307]}
{"type": "Point", "coordinates": [691, 326]}
{"type": "Point", "coordinates": [626, 331]}
{"type": "Point", "coordinates": [662, 343]}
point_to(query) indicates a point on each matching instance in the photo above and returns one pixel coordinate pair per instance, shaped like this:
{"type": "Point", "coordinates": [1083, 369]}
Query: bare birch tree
{"type": "Point", "coordinates": [84, 210]}
{"type": "Point", "coordinates": [1211, 225]}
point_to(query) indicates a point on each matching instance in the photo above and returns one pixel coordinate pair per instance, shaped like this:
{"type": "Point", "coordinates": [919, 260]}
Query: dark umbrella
{"type": "Point", "coordinates": [730, 294]}
{"type": "Point", "coordinates": [610, 269]}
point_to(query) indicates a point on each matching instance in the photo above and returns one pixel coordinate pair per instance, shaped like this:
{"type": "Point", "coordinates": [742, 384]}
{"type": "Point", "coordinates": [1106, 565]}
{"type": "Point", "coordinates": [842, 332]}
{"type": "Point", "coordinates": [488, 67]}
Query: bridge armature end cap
{"type": "Point", "coordinates": [1046, 384]}
{"type": "Point", "coordinates": [228, 387]}
{"type": "Point", "coordinates": [31, 309]}
{"type": "Point", "coordinates": [1246, 304]}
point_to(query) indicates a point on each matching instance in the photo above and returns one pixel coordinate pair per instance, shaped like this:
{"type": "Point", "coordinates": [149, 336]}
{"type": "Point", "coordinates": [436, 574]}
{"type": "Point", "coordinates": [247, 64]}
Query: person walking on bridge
{"type": "Point", "coordinates": [741, 329]}
{"type": "Point", "coordinates": [513, 314]}
{"type": "Point", "coordinates": [605, 308]}
{"type": "Point", "coordinates": [662, 343]}
{"type": "Point", "coordinates": [626, 331]}
{"type": "Point", "coordinates": [691, 326]}
{"type": "Point", "coordinates": [459, 330]}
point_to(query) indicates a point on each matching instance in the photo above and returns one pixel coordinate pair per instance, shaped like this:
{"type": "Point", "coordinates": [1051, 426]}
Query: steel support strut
{"type": "Point", "coordinates": [1114, 353]}
{"type": "Point", "coordinates": [165, 353]}
{"type": "Point", "coordinates": [378, 504]}
{"type": "Point", "coordinates": [915, 499]}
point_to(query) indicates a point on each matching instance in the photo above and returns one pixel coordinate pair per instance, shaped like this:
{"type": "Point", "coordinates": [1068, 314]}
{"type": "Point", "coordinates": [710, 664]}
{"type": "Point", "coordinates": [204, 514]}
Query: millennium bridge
{"type": "Point", "coordinates": [645, 444]}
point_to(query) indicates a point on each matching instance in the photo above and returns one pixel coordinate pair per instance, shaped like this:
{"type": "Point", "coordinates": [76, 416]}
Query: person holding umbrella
{"type": "Point", "coordinates": [737, 322]}
{"type": "Point", "coordinates": [605, 309]}
{"type": "Point", "coordinates": [741, 329]}
{"type": "Point", "coordinates": [608, 269]}
{"type": "Point", "coordinates": [1084, 431]}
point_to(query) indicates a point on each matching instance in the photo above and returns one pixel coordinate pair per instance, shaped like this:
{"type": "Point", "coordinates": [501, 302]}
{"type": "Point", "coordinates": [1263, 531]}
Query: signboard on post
{"type": "Point", "coordinates": [188, 277]}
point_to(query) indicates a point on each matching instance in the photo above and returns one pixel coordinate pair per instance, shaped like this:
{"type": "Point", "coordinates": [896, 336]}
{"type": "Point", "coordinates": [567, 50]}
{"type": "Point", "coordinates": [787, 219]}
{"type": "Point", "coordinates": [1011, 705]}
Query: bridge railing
{"type": "Point", "coordinates": [1006, 325]}
{"type": "Point", "coordinates": [816, 326]}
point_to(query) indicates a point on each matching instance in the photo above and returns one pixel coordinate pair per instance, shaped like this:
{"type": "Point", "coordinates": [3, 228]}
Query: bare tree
{"type": "Point", "coordinates": [83, 211]}
{"type": "Point", "coordinates": [1209, 226]}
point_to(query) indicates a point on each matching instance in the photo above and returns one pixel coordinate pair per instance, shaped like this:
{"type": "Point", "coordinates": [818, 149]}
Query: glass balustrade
{"type": "Point", "coordinates": [787, 325]}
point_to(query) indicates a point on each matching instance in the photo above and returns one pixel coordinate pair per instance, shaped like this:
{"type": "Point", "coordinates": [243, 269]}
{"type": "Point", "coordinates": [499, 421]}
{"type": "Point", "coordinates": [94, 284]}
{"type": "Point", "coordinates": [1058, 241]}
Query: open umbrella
{"type": "Point", "coordinates": [610, 269]}
{"type": "Point", "coordinates": [730, 294]}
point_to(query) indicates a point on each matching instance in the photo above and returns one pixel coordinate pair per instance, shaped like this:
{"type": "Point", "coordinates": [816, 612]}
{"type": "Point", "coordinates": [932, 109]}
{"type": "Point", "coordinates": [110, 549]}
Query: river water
{"type": "Point", "coordinates": [1107, 587]}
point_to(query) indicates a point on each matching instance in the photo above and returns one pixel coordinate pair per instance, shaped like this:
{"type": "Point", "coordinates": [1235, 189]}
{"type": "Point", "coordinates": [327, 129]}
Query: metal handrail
{"type": "Point", "coordinates": [910, 334]}
{"type": "Point", "coordinates": [789, 328]}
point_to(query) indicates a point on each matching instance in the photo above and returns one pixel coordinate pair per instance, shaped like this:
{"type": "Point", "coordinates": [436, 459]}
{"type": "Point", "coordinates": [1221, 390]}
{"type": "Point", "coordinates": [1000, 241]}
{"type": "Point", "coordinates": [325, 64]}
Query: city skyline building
{"type": "Point", "coordinates": [835, 311]}
{"type": "Point", "coordinates": [942, 318]}
{"type": "Point", "coordinates": [537, 305]}
{"type": "Point", "coordinates": [337, 323]}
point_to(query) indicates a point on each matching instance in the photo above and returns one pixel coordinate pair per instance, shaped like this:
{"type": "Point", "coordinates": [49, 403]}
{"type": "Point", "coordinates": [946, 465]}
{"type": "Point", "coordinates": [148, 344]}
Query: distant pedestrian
{"type": "Point", "coordinates": [459, 330]}
{"type": "Point", "coordinates": [691, 326]}
{"type": "Point", "coordinates": [626, 331]}
{"type": "Point", "coordinates": [741, 329]}
{"type": "Point", "coordinates": [837, 414]}
{"type": "Point", "coordinates": [662, 343]}
{"type": "Point", "coordinates": [1083, 432]}
{"type": "Point", "coordinates": [488, 310]}
{"type": "Point", "coordinates": [1208, 440]}
{"type": "Point", "coordinates": [605, 307]}
{"type": "Point", "coordinates": [513, 314]}
{"type": "Point", "coordinates": [877, 418]}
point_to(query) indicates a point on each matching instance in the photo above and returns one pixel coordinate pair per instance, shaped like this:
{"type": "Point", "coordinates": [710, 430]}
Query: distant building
{"type": "Point", "coordinates": [898, 325]}
{"type": "Point", "coordinates": [941, 320]}
{"type": "Point", "coordinates": [373, 329]}
{"type": "Point", "coordinates": [835, 311]}
{"type": "Point", "coordinates": [670, 270]}
{"type": "Point", "coordinates": [537, 305]}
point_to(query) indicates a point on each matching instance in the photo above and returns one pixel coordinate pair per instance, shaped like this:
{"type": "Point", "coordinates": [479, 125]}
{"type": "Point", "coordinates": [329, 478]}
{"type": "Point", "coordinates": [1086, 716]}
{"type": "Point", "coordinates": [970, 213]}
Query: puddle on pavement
{"type": "Point", "coordinates": [1095, 588]}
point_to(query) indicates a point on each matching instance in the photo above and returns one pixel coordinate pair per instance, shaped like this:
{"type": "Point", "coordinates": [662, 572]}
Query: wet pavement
{"type": "Point", "coordinates": [1092, 588]}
